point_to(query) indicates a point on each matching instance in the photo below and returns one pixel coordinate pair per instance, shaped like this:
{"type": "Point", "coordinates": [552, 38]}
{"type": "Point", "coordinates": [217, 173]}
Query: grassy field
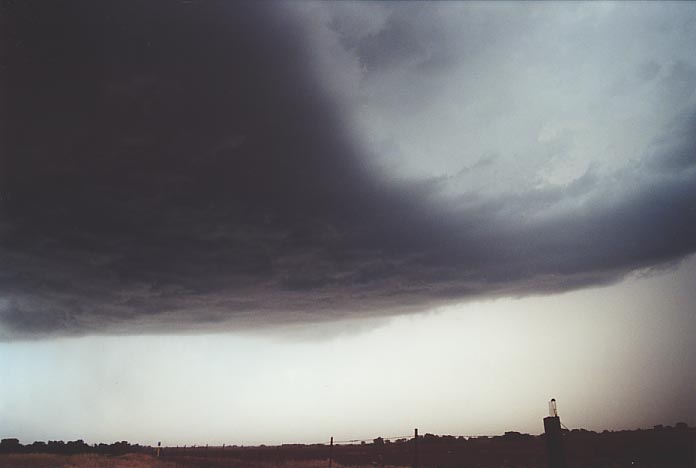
{"type": "Point", "coordinates": [46, 460]}
{"type": "Point", "coordinates": [43, 460]}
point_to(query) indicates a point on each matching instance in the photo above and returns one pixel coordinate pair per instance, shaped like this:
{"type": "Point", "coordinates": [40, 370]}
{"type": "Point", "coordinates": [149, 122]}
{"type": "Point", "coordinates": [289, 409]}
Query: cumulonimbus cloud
{"type": "Point", "coordinates": [181, 167]}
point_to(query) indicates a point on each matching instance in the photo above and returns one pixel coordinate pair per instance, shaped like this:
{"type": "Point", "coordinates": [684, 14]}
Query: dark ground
{"type": "Point", "coordinates": [661, 447]}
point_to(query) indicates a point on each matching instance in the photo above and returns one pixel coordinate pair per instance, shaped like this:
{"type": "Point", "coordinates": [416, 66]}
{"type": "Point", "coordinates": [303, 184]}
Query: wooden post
{"type": "Point", "coordinates": [331, 453]}
{"type": "Point", "coordinates": [415, 448]}
{"type": "Point", "coordinates": [554, 442]}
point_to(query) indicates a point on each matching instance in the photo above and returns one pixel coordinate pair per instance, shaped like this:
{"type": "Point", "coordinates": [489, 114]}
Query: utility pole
{"type": "Point", "coordinates": [554, 437]}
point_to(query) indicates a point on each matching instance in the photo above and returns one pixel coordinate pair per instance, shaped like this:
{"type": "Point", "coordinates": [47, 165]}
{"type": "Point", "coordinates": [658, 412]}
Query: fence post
{"type": "Point", "coordinates": [331, 453]}
{"type": "Point", "coordinates": [415, 448]}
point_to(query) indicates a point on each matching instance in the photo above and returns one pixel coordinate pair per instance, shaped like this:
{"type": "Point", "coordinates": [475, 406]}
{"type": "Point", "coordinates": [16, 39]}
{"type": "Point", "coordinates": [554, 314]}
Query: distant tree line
{"type": "Point", "coordinates": [12, 445]}
{"type": "Point", "coordinates": [70, 448]}
{"type": "Point", "coordinates": [450, 439]}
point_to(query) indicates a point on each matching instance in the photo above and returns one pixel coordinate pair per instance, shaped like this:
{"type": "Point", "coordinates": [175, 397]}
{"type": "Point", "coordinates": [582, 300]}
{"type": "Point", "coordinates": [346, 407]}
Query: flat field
{"type": "Point", "coordinates": [44, 460]}
{"type": "Point", "coordinates": [88, 460]}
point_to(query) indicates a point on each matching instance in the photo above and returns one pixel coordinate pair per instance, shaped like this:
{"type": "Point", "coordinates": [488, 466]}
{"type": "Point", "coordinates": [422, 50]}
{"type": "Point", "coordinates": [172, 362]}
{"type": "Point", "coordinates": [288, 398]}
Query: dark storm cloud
{"type": "Point", "coordinates": [174, 166]}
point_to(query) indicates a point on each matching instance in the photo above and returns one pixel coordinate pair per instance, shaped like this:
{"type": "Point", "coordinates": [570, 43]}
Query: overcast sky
{"type": "Point", "coordinates": [368, 216]}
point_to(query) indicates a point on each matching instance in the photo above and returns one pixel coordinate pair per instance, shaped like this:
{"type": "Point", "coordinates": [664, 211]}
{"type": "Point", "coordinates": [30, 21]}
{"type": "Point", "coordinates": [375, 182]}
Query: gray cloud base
{"type": "Point", "coordinates": [176, 168]}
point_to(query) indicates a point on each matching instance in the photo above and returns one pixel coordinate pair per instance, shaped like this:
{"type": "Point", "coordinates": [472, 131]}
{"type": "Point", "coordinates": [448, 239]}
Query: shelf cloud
{"type": "Point", "coordinates": [174, 167]}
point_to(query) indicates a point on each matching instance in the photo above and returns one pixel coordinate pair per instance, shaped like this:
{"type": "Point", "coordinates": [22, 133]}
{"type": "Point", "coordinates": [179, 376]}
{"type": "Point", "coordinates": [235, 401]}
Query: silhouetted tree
{"type": "Point", "coordinates": [10, 446]}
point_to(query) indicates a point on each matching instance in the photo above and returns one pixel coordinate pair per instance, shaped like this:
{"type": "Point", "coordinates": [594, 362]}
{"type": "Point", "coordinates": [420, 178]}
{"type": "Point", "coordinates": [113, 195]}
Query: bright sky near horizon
{"type": "Point", "coordinates": [271, 222]}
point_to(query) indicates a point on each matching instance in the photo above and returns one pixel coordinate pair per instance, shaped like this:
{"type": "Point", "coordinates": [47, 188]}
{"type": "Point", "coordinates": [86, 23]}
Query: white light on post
{"type": "Point", "coordinates": [553, 410]}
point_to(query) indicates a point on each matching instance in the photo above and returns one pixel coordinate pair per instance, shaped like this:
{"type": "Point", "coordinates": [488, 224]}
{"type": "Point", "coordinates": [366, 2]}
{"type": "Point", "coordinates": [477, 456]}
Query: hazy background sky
{"type": "Point", "coordinates": [282, 222]}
